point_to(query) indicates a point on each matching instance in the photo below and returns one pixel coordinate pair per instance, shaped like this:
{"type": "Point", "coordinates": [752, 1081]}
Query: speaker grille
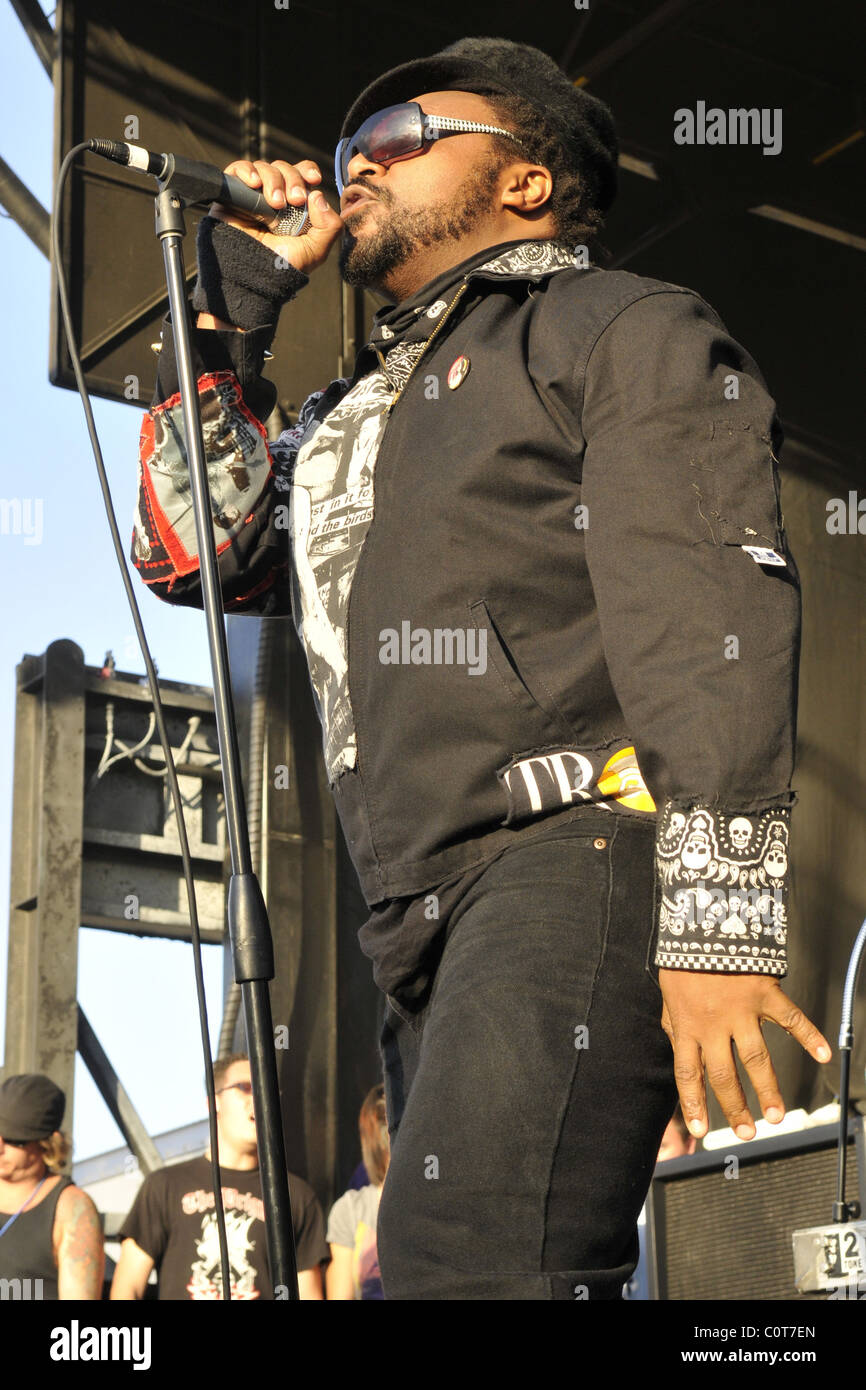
{"type": "Point", "coordinates": [730, 1238]}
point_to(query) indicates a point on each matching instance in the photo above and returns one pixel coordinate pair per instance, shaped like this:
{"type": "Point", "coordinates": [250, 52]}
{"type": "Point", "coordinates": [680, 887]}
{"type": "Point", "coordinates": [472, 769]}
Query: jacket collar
{"type": "Point", "coordinates": [515, 260]}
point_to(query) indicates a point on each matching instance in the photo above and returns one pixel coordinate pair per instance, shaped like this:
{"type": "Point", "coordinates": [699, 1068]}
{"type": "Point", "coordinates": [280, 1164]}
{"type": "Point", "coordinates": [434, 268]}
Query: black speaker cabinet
{"type": "Point", "coordinates": [720, 1222]}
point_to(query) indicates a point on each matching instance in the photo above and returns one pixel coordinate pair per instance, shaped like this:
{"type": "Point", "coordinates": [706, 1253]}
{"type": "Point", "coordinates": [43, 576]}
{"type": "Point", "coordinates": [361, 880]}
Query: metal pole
{"type": "Point", "coordinates": [24, 208]}
{"type": "Point", "coordinates": [248, 925]}
{"type": "Point", "coordinates": [38, 31]}
{"type": "Point", "coordinates": [112, 1090]}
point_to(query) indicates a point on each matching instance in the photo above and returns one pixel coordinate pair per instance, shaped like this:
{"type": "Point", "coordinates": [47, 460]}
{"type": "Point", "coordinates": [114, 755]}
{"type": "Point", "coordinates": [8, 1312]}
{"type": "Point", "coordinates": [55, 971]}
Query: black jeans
{"type": "Point", "coordinates": [527, 1098]}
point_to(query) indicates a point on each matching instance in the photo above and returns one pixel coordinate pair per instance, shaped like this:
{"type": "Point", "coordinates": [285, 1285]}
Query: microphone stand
{"type": "Point", "coordinates": [249, 928]}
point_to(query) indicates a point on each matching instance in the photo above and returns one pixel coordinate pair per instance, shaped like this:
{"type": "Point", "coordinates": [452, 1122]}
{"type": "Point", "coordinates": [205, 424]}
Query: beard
{"type": "Point", "coordinates": [364, 264]}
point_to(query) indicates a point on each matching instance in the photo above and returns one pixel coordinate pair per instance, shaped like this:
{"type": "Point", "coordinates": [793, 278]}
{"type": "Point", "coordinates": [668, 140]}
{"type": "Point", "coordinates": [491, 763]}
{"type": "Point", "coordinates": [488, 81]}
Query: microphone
{"type": "Point", "coordinates": [204, 183]}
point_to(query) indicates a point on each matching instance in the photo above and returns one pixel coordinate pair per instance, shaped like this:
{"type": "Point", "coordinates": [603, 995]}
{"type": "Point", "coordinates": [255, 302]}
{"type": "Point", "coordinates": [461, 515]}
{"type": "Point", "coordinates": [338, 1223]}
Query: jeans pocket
{"type": "Point", "coordinates": [412, 1019]}
{"type": "Point", "coordinates": [649, 962]}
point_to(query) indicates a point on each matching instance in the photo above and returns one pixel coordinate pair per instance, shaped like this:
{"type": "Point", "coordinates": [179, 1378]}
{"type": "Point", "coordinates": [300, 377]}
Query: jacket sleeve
{"type": "Point", "coordinates": [699, 606]}
{"type": "Point", "coordinates": [249, 478]}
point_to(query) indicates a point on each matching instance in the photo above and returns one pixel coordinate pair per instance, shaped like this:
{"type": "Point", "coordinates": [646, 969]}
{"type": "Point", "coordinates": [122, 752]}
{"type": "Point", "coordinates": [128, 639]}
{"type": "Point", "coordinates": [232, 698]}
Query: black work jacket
{"type": "Point", "coordinates": [595, 505]}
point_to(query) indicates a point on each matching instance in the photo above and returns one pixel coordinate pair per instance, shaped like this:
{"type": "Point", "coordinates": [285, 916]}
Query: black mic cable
{"type": "Point", "coordinates": [159, 716]}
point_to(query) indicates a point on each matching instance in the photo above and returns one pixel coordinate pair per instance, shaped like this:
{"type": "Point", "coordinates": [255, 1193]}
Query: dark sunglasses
{"type": "Point", "coordinates": [17, 1143]}
{"type": "Point", "coordinates": [399, 132]}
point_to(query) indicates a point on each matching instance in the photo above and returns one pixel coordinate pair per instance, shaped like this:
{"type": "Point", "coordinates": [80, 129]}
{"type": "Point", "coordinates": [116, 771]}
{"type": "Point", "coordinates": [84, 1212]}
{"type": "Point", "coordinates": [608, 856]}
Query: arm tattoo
{"type": "Point", "coordinates": [81, 1250]}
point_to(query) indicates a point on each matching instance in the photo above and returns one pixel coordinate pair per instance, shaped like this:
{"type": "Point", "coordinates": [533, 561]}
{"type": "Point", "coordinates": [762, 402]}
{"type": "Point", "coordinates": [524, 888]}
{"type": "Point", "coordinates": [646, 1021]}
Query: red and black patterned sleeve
{"type": "Point", "coordinates": [248, 478]}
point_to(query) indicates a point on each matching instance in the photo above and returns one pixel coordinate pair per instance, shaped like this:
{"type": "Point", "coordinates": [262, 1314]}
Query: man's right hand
{"type": "Point", "coordinates": [283, 184]}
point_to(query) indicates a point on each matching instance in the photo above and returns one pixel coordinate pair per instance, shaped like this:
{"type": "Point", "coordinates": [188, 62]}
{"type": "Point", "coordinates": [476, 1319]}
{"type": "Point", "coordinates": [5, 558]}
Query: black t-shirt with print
{"type": "Point", "coordinates": [173, 1220]}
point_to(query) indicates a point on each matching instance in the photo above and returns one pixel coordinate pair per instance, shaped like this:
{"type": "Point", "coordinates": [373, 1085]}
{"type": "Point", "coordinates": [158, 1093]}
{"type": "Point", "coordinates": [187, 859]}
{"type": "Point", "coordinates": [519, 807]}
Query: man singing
{"type": "Point", "coordinates": [534, 551]}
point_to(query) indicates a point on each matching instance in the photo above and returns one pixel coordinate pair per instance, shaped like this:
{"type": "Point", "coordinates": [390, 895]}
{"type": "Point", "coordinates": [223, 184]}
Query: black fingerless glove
{"type": "Point", "coordinates": [239, 280]}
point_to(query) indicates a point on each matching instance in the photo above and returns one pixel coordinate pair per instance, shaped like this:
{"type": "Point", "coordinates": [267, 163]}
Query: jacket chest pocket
{"type": "Point", "coordinates": [525, 687]}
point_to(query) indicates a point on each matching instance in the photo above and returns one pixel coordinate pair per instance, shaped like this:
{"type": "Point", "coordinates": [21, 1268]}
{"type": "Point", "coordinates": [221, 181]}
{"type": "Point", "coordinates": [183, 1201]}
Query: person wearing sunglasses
{"type": "Point", "coordinates": [51, 1244]}
{"type": "Point", "coordinates": [172, 1227]}
{"type": "Point", "coordinates": [515, 539]}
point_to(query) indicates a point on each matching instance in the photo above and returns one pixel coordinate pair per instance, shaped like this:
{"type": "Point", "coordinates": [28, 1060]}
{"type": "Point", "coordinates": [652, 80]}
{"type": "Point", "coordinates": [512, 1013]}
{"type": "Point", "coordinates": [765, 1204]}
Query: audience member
{"type": "Point", "coordinates": [51, 1243]}
{"type": "Point", "coordinates": [354, 1269]}
{"type": "Point", "coordinates": [676, 1140]}
{"type": "Point", "coordinates": [172, 1225]}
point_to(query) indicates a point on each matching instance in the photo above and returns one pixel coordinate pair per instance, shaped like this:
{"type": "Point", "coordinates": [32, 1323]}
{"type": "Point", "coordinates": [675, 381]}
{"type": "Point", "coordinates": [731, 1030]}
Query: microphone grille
{"type": "Point", "coordinates": [290, 222]}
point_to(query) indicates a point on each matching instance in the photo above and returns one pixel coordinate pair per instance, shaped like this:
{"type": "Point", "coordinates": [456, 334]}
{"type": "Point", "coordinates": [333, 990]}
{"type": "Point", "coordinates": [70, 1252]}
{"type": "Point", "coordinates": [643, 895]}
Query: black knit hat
{"type": "Point", "coordinates": [31, 1107]}
{"type": "Point", "coordinates": [491, 67]}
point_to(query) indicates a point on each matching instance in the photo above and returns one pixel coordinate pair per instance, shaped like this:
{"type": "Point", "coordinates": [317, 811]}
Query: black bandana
{"type": "Point", "coordinates": [401, 331]}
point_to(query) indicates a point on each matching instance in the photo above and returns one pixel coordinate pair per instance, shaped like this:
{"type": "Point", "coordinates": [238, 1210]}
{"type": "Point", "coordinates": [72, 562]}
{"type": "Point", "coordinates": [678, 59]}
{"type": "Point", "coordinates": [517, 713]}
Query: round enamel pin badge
{"type": "Point", "coordinates": [458, 372]}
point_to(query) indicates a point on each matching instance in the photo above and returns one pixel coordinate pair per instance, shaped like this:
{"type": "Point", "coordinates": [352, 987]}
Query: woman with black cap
{"type": "Point", "coordinates": [51, 1244]}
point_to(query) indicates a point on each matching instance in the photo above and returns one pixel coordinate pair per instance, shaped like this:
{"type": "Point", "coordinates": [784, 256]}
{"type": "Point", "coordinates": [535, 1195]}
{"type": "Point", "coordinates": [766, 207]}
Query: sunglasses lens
{"type": "Point", "coordinates": [392, 134]}
{"type": "Point", "coordinates": [387, 135]}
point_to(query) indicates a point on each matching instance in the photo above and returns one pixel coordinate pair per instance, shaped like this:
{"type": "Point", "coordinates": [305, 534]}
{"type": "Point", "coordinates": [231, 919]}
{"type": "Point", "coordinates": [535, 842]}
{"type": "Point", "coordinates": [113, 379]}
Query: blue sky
{"type": "Point", "coordinates": [139, 995]}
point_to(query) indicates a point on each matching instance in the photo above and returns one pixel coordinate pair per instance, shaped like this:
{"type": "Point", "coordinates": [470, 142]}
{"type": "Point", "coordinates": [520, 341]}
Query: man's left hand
{"type": "Point", "coordinates": [703, 1014]}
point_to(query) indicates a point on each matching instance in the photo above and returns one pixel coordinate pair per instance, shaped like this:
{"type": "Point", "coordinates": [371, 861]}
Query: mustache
{"type": "Point", "coordinates": [383, 195]}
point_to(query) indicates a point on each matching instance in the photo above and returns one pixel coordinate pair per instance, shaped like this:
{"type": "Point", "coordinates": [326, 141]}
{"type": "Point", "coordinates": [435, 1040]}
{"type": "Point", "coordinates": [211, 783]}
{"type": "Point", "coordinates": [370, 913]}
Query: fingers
{"type": "Point", "coordinates": [689, 1075]}
{"type": "Point", "coordinates": [279, 182]}
{"type": "Point", "coordinates": [755, 1057]}
{"type": "Point", "coordinates": [689, 1064]}
{"type": "Point", "coordinates": [291, 183]}
{"type": "Point", "coordinates": [323, 219]}
{"type": "Point", "coordinates": [705, 1019]}
{"type": "Point", "coordinates": [787, 1015]}
{"type": "Point", "coordinates": [298, 177]}
{"type": "Point", "coordinates": [282, 184]}
{"type": "Point", "coordinates": [724, 1078]}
